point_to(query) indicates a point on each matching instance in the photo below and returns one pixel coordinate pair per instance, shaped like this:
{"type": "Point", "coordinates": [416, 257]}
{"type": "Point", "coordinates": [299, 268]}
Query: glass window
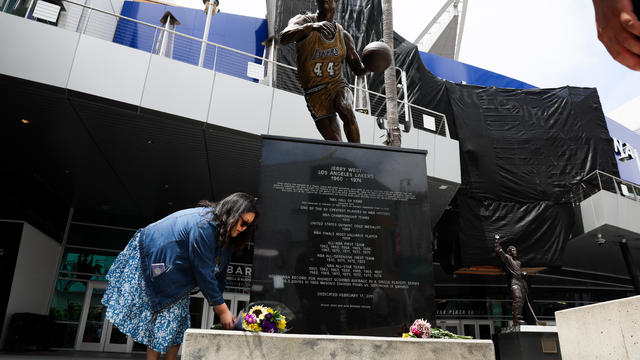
{"type": "Point", "coordinates": [67, 300]}
{"type": "Point", "coordinates": [96, 236]}
{"type": "Point", "coordinates": [469, 330]}
{"type": "Point", "coordinates": [86, 264]}
{"type": "Point", "coordinates": [452, 328]}
{"type": "Point", "coordinates": [485, 331]}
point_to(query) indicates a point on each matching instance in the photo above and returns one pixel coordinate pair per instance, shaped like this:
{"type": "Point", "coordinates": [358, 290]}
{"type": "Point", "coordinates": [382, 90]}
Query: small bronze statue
{"type": "Point", "coordinates": [321, 47]}
{"type": "Point", "coordinates": [517, 283]}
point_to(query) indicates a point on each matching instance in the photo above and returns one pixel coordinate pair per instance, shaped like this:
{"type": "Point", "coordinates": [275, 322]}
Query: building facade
{"type": "Point", "coordinates": [110, 124]}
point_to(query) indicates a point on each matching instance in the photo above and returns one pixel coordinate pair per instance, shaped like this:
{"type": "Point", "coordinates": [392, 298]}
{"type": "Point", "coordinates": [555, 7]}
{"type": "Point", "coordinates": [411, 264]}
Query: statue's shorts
{"type": "Point", "coordinates": [321, 99]}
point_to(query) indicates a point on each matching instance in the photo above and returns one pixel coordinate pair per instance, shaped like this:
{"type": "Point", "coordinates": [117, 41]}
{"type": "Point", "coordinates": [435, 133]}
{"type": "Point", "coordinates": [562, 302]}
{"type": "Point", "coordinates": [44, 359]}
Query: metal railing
{"type": "Point", "coordinates": [108, 26]}
{"type": "Point", "coordinates": [598, 181]}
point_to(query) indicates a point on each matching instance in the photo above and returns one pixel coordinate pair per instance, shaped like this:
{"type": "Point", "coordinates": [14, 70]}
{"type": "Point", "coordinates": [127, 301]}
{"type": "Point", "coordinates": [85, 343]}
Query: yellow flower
{"type": "Point", "coordinates": [270, 310]}
{"type": "Point", "coordinates": [282, 324]}
{"type": "Point", "coordinates": [259, 311]}
{"type": "Point", "coordinates": [405, 335]}
{"type": "Point", "coordinates": [254, 327]}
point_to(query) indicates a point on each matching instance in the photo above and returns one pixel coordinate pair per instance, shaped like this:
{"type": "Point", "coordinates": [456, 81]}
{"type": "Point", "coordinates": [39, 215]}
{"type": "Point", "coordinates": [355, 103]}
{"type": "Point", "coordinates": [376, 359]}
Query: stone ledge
{"type": "Point", "coordinates": [217, 344]}
{"type": "Point", "coordinates": [607, 330]}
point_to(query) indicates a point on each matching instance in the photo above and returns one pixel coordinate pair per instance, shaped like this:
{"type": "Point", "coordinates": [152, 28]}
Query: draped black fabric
{"type": "Point", "coordinates": [529, 145]}
{"type": "Point", "coordinates": [521, 154]}
{"type": "Point", "coordinates": [521, 151]}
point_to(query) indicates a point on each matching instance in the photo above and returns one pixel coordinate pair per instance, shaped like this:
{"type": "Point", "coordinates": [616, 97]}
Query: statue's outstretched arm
{"type": "Point", "coordinates": [300, 26]}
{"type": "Point", "coordinates": [499, 251]}
{"type": "Point", "coordinates": [353, 59]}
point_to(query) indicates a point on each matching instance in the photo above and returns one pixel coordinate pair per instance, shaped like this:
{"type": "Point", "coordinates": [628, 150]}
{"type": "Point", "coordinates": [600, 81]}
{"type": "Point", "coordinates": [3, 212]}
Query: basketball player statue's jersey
{"type": "Point", "coordinates": [320, 59]}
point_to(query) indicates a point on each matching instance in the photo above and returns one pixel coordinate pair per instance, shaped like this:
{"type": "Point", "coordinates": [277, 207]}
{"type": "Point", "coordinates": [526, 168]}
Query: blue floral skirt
{"type": "Point", "coordinates": [129, 309]}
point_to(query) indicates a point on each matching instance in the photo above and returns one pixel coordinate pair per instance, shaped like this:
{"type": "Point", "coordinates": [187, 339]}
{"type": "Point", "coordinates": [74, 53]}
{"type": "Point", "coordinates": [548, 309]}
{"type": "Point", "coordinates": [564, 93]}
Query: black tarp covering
{"type": "Point", "coordinates": [521, 153]}
{"type": "Point", "coordinates": [520, 150]}
{"type": "Point", "coordinates": [528, 145]}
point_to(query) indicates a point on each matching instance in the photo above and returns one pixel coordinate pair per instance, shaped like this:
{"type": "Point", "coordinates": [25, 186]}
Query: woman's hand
{"type": "Point", "coordinates": [226, 317]}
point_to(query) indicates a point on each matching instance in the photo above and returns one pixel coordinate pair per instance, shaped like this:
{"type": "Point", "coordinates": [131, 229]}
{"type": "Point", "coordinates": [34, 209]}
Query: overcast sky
{"type": "Point", "coordinates": [546, 43]}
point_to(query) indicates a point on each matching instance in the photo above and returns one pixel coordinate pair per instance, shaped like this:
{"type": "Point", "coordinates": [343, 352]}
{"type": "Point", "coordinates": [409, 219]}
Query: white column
{"type": "Point", "coordinates": [205, 36]}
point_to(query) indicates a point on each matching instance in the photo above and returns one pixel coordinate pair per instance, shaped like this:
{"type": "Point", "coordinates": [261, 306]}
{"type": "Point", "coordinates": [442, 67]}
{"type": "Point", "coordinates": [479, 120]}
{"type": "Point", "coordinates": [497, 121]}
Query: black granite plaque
{"type": "Point", "coordinates": [527, 345]}
{"type": "Point", "coordinates": [344, 238]}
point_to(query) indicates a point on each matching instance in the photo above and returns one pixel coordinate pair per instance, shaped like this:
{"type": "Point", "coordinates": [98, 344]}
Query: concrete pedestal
{"type": "Point", "coordinates": [608, 330]}
{"type": "Point", "coordinates": [216, 344]}
{"type": "Point", "coordinates": [527, 342]}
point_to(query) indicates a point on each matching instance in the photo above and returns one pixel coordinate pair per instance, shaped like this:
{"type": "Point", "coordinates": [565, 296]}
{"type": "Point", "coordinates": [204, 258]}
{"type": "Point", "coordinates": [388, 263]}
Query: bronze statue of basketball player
{"type": "Point", "coordinates": [517, 284]}
{"type": "Point", "coordinates": [321, 47]}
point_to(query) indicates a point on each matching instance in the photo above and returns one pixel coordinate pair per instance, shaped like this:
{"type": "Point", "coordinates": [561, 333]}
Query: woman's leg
{"type": "Point", "coordinates": [172, 353]}
{"type": "Point", "coordinates": [152, 354]}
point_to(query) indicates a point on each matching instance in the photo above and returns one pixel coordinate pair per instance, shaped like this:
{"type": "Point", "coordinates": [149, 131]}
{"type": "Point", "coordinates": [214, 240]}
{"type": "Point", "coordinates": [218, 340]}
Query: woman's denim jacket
{"type": "Point", "coordinates": [185, 252]}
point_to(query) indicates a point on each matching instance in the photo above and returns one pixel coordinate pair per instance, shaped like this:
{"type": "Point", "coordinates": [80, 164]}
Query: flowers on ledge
{"type": "Point", "coordinates": [421, 329]}
{"type": "Point", "coordinates": [264, 319]}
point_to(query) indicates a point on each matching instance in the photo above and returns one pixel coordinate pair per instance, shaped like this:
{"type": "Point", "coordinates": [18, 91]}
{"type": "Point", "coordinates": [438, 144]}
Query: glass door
{"type": "Point", "coordinates": [449, 325]}
{"type": "Point", "coordinates": [90, 333]}
{"type": "Point", "coordinates": [236, 302]}
{"type": "Point", "coordinates": [479, 329]}
{"type": "Point", "coordinates": [203, 316]}
{"type": "Point", "coordinates": [96, 333]}
{"type": "Point", "coordinates": [485, 329]}
{"type": "Point", "coordinates": [116, 341]}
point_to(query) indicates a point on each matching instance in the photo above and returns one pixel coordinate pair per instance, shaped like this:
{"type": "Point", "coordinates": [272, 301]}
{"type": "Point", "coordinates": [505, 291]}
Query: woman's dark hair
{"type": "Point", "coordinates": [226, 214]}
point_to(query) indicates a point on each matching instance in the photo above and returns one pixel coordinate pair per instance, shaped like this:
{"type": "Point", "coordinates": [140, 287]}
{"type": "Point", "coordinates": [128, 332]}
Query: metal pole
{"type": "Point", "coordinates": [205, 36]}
{"type": "Point", "coordinates": [407, 110]}
{"type": "Point", "coordinates": [154, 45]}
{"type": "Point", "coordinates": [355, 92]}
{"type": "Point", "coordinates": [461, 22]}
{"type": "Point", "coordinates": [637, 156]}
{"type": "Point", "coordinates": [272, 63]}
{"type": "Point", "coordinates": [28, 8]}
{"type": "Point", "coordinates": [115, 30]}
{"type": "Point", "coordinates": [84, 29]}
{"type": "Point", "coordinates": [632, 268]}
{"type": "Point", "coordinates": [439, 125]}
{"type": "Point", "coordinates": [215, 58]}
{"type": "Point", "coordinates": [165, 38]}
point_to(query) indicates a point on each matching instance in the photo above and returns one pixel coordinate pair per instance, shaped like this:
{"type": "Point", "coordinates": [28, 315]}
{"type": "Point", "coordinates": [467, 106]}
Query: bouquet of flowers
{"type": "Point", "coordinates": [264, 319]}
{"type": "Point", "coordinates": [421, 329]}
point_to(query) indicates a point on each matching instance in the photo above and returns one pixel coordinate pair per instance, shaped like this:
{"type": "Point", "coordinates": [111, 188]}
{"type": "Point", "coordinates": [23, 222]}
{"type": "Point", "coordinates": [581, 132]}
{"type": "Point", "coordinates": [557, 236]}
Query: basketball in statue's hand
{"type": "Point", "coordinates": [376, 56]}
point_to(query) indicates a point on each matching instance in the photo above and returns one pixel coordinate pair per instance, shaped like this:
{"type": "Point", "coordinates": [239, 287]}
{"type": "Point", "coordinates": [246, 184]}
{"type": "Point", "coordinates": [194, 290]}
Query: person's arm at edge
{"type": "Point", "coordinates": [619, 31]}
{"type": "Point", "coordinates": [203, 265]}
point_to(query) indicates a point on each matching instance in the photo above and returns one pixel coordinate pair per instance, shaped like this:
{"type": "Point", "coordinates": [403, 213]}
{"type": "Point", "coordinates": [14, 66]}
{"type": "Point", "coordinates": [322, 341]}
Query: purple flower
{"type": "Point", "coordinates": [250, 319]}
{"type": "Point", "coordinates": [268, 326]}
